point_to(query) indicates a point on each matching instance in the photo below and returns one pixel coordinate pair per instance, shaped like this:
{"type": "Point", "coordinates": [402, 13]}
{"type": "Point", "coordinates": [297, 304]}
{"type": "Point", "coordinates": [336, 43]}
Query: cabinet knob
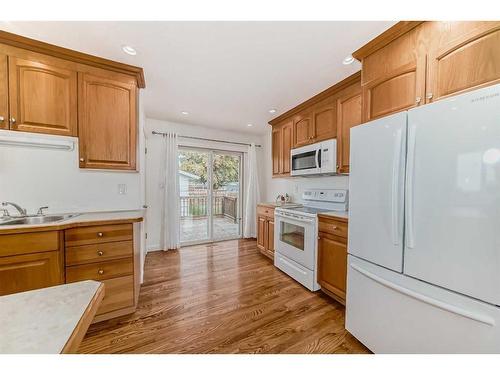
{"type": "Point", "coordinates": [82, 160]}
{"type": "Point", "coordinates": [319, 238]}
{"type": "Point", "coordinates": [12, 120]}
{"type": "Point", "coordinates": [100, 234]}
{"type": "Point", "coordinates": [335, 227]}
{"type": "Point", "coordinates": [100, 253]}
{"type": "Point", "coordinates": [418, 99]}
{"type": "Point", "coordinates": [429, 95]}
{"type": "Point", "coordinates": [100, 272]}
{"type": "Point", "coordinates": [2, 119]}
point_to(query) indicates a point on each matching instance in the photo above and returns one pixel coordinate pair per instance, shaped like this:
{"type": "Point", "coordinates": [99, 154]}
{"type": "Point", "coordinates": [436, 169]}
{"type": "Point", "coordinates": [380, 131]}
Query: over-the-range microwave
{"type": "Point", "coordinates": [318, 158]}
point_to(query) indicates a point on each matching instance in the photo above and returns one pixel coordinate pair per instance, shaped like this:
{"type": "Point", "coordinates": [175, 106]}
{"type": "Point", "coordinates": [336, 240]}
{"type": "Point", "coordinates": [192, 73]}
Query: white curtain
{"type": "Point", "coordinates": [169, 183]}
{"type": "Point", "coordinates": [252, 195]}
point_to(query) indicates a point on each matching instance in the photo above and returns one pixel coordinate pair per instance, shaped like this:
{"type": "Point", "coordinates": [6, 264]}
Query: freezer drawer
{"type": "Point", "coordinates": [393, 313]}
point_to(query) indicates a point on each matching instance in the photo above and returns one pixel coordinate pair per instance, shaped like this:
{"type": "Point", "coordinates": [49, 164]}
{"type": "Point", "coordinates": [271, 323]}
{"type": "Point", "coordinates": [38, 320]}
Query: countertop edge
{"type": "Point", "coordinates": [76, 337]}
{"type": "Point", "coordinates": [73, 224]}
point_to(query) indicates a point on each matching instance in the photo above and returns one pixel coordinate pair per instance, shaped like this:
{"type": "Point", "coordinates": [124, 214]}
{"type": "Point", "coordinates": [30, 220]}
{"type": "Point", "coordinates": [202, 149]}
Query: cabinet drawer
{"type": "Point", "coordinates": [100, 271]}
{"type": "Point", "coordinates": [118, 294]}
{"type": "Point", "coordinates": [265, 211]}
{"type": "Point", "coordinates": [98, 252]}
{"type": "Point", "coordinates": [26, 243]}
{"type": "Point", "coordinates": [337, 228]}
{"type": "Point", "coordinates": [98, 234]}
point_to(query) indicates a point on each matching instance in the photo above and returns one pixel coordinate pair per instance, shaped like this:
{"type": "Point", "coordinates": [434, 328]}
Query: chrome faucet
{"type": "Point", "coordinates": [22, 211]}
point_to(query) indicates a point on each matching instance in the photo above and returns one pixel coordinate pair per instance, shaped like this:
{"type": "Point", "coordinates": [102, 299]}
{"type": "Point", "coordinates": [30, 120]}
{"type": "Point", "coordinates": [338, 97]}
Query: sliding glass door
{"type": "Point", "coordinates": [210, 195]}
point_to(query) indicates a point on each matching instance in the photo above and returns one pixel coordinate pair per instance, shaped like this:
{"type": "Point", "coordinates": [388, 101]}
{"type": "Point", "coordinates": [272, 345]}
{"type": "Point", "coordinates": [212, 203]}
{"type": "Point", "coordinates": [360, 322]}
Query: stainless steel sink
{"type": "Point", "coordinates": [36, 220]}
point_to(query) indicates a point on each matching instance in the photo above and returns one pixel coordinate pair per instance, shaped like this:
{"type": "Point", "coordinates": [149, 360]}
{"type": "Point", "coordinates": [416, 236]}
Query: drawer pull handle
{"type": "Point", "coordinates": [100, 253]}
{"type": "Point", "coordinates": [100, 234]}
{"type": "Point", "coordinates": [335, 227]}
{"type": "Point", "coordinates": [100, 272]}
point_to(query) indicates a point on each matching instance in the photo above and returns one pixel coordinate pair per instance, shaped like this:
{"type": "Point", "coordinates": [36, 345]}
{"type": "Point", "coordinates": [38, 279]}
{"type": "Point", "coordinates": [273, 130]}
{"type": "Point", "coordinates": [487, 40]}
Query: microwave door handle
{"type": "Point", "coordinates": [318, 162]}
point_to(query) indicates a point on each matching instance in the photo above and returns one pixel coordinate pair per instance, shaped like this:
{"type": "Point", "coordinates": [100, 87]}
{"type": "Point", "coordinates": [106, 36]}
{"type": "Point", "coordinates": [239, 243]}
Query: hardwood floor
{"type": "Point", "coordinates": [223, 298]}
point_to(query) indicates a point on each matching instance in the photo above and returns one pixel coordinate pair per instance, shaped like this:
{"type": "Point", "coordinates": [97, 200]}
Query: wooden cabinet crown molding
{"type": "Point", "coordinates": [318, 98]}
{"type": "Point", "coordinates": [71, 55]}
{"type": "Point", "coordinates": [385, 38]}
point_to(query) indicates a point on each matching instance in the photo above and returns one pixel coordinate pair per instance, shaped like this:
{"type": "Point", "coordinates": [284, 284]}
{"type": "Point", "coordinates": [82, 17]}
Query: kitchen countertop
{"type": "Point", "coordinates": [49, 320]}
{"type": "Point", "coordinates": [274, 204]}
{"type": "Point", "coordinates": [336, 214]}
{"type": "Point", "coordinates": [81, 220]}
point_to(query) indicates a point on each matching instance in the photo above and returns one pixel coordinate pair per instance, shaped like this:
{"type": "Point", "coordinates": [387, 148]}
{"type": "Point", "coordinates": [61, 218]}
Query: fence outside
{"type": "Point", "coordinates": [197, 206]}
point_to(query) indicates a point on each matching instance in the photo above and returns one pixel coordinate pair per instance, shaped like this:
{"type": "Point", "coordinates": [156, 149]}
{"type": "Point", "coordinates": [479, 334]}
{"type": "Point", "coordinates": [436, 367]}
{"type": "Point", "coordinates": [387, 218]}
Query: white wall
{"type": "Point", "coordinates": [34, 177]}
{"type": "Point", "coordinates": [153, 163]}
{"type": "Point", "coordinates": [294, 186]}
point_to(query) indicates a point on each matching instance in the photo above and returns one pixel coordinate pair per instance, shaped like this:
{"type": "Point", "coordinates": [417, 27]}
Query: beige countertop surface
{"type": "Point", "coordinates": [83, 219]}
{"type": "Point", "coordinates": [43, 320]}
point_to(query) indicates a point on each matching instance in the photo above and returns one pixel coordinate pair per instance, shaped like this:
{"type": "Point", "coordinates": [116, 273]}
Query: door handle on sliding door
{"type": "Point", "coordinates": [410, 176]}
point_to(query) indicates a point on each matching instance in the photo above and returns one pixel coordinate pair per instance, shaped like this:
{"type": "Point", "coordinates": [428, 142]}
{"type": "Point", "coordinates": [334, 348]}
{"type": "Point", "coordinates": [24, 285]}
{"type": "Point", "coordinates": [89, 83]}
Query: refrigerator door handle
{"type": "Point", "coordinates": [478, 317]}
{"type": "Point", "coordinates": [410, 172]}
{"type": "Point", "coordinates": [395, 191]}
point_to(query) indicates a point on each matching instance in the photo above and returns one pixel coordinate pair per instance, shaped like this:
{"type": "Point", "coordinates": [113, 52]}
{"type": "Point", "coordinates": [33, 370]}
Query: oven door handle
{"type": "Point", "coordinates": [293, 217]}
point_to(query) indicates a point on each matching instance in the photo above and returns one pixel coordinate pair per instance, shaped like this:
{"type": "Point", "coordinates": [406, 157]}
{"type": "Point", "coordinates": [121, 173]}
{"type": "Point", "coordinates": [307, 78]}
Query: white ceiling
{"type": "Point", "coordinates": [225, 74]}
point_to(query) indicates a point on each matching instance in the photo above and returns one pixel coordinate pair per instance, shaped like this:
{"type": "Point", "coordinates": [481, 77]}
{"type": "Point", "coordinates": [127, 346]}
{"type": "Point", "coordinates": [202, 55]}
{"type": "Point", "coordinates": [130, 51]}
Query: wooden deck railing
{"type": "Point", "coordinates": [197, 206]}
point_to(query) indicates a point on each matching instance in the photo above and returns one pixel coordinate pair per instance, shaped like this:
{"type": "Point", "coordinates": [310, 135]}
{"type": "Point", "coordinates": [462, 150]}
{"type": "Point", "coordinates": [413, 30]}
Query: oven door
{"type": "Point", "coordinates": [296, 238]}
{"type": "Point", "coordinates": [306, 160]}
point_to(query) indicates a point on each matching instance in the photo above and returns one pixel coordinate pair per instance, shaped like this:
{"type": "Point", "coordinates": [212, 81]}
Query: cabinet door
{"type": "Point", "coordinates": [325, 120]}
{"type": "Point", "coordinates": [302, 130]}
{"type": "Point", "coordinates": [4, 93]}
{"type": "Point", "coordinates": [468, 62]}
{"type": "Point", "coordinates": [332, 264]}
{"type": "Point", "coordinates": [107, 123]}
{"type": "Point", "coordinates": [276, 150]}
{"type": "Point", "coordinates": [396, 91]}
{"type": "Point", "coordinates": [42, 97]}
{"type": "Point", "coordinates": [261, 232]}
{"type": "Point", "coordinates": [286, 146]}
{"type": "Point", "coordinates": [270, 235]}
{"type": "Point", "coordinates": [24, 272]}
{"type": "Point", "coordinates": [349, 115]}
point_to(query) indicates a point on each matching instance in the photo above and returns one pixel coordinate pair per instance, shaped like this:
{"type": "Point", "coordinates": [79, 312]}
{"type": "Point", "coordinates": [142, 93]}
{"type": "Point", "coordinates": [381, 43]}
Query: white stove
{"type": "Point", "coordinates": [296, 232]}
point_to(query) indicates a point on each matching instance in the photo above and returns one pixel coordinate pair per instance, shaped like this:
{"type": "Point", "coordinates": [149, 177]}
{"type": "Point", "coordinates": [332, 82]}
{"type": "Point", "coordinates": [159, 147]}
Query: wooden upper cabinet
{"type": "Point", "coordinates": [276, 149]}
{"type": "Point", "coordinates": [302, 129]}
{"type": "Point", "coordinates": [349, 115]}
{"type": "Point", "coordinates": [467, 62]}
{"type": "Point", "coordinates": [282, 142]}
{"type": "Point", "coordinates": [42, 97]}
{"type": "Point", "coordinates": [4, 93]}
{"type": "Point", "coordinates": [286, 147]}
{"type": "Point", "coordinates": [393, 77]}
{"type": "Point", "coordinates": [107, 122]}
{"type": "Point", "coordinates": [324, 120]}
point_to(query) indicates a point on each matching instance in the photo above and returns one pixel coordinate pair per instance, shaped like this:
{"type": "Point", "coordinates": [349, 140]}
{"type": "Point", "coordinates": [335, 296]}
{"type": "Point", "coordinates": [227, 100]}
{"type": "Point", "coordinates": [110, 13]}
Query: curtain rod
{"type": "Point", "coordinates": [206, 139]}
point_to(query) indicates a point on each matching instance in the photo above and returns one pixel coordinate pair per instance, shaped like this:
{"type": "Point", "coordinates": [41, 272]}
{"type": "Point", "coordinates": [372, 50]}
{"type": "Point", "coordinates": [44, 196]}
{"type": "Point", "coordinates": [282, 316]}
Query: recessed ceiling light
{"type": "Point", "coordinates": [272, 110]}
{"type": "Point", "coordinates": [185, 113]}
{"type": "Point", "coordinates": [249, 125]}
{"type": "Point", "coordinates": [129, 50]}
{"type": "Point", "coordinates": [348, 60]}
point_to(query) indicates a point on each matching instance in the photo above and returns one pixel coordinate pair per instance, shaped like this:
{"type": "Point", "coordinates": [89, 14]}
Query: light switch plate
{"type": "Point", "coordinates": [122, 189]}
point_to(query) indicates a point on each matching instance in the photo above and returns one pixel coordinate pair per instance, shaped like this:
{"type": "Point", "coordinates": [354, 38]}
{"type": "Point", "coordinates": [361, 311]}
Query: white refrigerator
{"type": "Point", "coordinates": [424, 228]}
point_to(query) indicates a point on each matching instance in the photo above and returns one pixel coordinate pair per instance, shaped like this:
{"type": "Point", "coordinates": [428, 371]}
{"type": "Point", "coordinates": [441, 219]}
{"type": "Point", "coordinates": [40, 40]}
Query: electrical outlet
{"type": "Point", "coordinates": [122, 189]}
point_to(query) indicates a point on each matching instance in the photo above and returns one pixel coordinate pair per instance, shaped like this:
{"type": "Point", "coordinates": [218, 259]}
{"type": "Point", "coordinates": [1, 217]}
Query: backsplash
{"type": "Point", "coordinates": [34, 177]}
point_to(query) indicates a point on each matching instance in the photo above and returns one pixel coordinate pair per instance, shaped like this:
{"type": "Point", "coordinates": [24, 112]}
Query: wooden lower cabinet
{"type": "Point", "coordinates": [265, 230]}
{"type": "Point", "coordinates": [30, 261]}
{"type": "Point", "coordinates": [332, 257]}
{"type": "Point", "coordinates": [104, 253]}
